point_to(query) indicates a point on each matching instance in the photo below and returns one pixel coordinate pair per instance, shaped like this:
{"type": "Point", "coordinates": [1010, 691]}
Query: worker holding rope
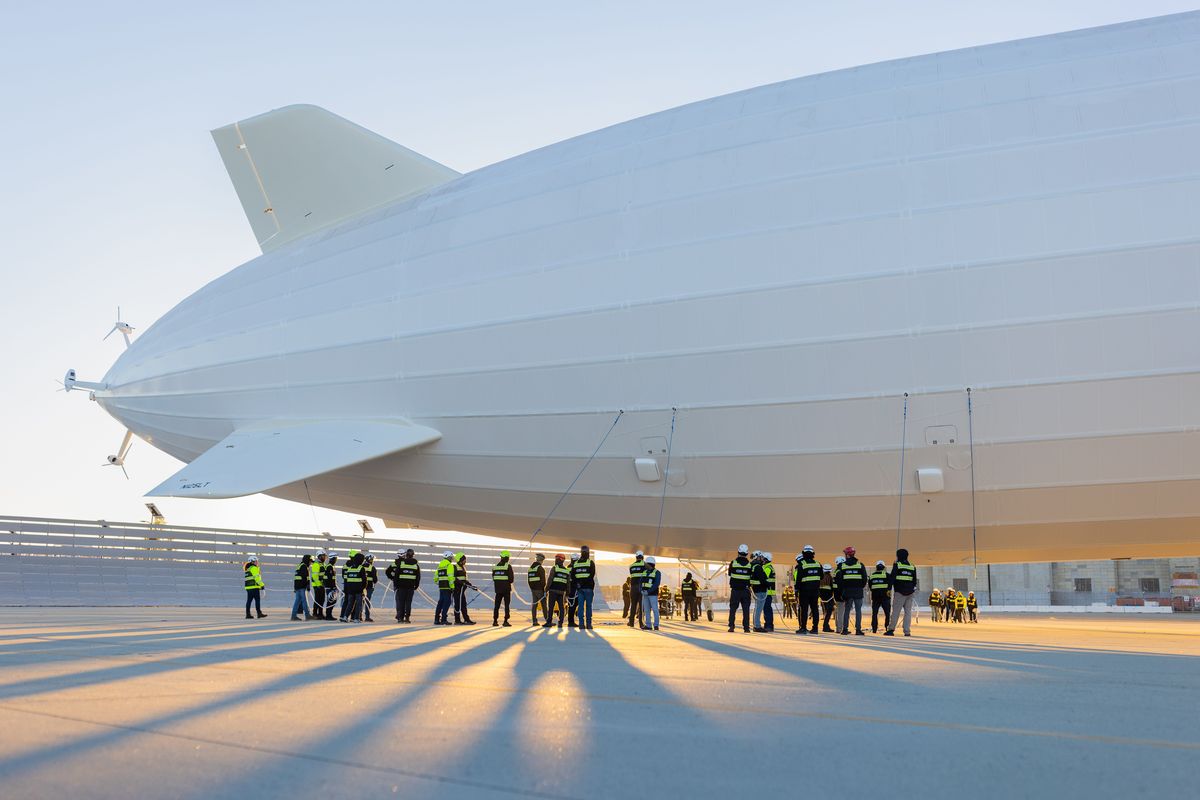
{"type": "Point", "coordinates": [502, 581]}
{"type": "Point", "coordinates": [316, 572]}
{"type": "Point", "coordinates": [537, 587]}
{"type": "Point", "coordinates": [300, 585]}
{"type": "Point", "coordinates": [329, 581]}
{"type": "Point", "coordinates": [445, 585]}
{"type": "Point", "coordinates": [560, 584]}
{"type": "Point", "coordinates": [461, 584]}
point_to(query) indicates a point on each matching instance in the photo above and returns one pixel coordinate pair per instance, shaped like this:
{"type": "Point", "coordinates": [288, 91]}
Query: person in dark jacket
{"type": "Point", "coordinates": [537, 587]}
{"type": "Point", "coordinates": [502, 582]}
{"type": "Point", "coordinates": [825, 593]}
{"type": "Point", "coordinates": [691, 609]}
{"type": "Point", "coordinates": [583, 572]}
{"type": "Point", "coordinates": [903, 578]}
{"type": "Point", "coordinates": [851, 578]}
{"type": "Point", "coordinates": [301, 582]}
{"type": "Point", "coordinates": [461, 584]}
{"type": "Point", "coordinates": [329, 580]}
{"type": "Point", "coordinates": [636, 571]}
{"type": "Point", "coordinates": [352, 588]}
{"type": "Point", "coordinates": [370, 578]}
{"type": "Point", "coordinates": [625, 599]}
{"type": "Point", "coordinates": [807, 577]}
{"type": "Point", "coordinates": [405, 575]}
{"type": "Point", "coordinates": [571, 595]}
{"type": "Point", "coordinates": [972, 607]}
{"type": "Point", "coordinates": [881, 596]}
{"type": "Point", "coordinates": [559, 578]}
{"type": "Point", "coordinates": [739, 588]}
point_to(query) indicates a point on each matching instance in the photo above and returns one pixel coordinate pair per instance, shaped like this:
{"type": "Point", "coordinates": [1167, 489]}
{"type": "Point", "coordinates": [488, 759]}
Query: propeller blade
{"type": "Point", "coordinates": [110, 333]}
{"type": "Point", "coordinates": [126, 473]}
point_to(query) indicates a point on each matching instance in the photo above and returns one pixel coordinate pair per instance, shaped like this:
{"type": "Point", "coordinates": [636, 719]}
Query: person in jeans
{"type": "Point", "coordinates": [300, 584]}
{"type": "Point", "coordinates": [758, 587]}
{"type": "Point", "coordinates": [651, 581]}
{"type": "Point", "coordinates": [851, 579]}
{"type": "Point", "coordinates": [583, 571]}
{"type": "Point", "coordinates": [904, 586]}
{"type": "Point", "coordinates": [560, 584]}
{"type": "Point", "coordinates": [254, 586]}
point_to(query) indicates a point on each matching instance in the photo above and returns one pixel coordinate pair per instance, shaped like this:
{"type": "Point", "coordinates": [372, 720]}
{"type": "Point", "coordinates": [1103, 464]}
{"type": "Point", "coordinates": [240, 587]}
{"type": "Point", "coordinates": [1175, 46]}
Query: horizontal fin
{"type": "Point", "coordinates": [299, 168]}
{"type": "Point", "coordinates": [264, 456]}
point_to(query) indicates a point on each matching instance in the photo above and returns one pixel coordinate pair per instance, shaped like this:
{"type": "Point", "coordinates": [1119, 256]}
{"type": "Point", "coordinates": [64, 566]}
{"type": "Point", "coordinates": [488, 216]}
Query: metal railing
{"type": "Point", "coordinates": [68, 562]}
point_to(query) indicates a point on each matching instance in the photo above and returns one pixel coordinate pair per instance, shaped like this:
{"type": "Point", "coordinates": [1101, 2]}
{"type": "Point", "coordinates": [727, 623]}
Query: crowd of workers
{"type": "Point", "coordinates": [813, 592]}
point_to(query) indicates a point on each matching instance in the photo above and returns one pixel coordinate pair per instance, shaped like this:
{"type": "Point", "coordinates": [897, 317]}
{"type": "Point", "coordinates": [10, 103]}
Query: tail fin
{"type": "Point", "coordinates": [300, 168]}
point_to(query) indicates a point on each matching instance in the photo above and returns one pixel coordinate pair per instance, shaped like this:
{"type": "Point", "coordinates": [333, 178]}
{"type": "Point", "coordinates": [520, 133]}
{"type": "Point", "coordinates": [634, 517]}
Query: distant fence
{"type": "Point", "coordinates": [65, 562]}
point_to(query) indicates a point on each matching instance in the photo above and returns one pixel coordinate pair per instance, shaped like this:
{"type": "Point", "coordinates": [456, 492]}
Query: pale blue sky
{"type": "Point", "coordinates": [114, 194]}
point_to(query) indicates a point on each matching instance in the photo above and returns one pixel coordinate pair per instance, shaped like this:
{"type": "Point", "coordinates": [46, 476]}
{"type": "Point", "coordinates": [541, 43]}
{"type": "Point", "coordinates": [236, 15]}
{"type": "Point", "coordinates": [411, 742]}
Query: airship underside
{"type": "Point", "coordinates": [761, 312]}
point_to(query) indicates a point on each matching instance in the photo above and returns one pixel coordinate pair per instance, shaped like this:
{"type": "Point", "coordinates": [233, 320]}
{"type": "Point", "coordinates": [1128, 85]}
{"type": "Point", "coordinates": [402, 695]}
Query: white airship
{"type": "Point", "coordinates": [781, 265]}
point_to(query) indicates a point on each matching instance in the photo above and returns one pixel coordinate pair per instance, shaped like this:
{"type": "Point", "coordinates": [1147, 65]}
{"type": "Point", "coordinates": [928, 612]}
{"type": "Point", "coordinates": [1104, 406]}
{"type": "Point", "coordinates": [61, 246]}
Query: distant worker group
{"type": "Point", "coordinates": [812, 592]}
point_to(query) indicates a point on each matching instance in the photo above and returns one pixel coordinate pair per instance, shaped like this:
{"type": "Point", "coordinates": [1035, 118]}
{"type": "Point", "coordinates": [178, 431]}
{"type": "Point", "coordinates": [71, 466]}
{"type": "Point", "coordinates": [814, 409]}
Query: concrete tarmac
{"type": "Point", "coordinates": [201, 703]}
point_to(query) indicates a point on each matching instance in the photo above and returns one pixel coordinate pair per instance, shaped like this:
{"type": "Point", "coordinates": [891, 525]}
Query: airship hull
{"type": "Point", "coordinates": [781, 266]}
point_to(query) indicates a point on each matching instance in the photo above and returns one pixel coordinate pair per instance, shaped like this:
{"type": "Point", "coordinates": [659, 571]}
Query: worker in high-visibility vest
{"type": "Point", "coordinates": [317, 570]}
{"type": "Point", "coordinates": [301, 582]}
{"type": "Point", "coordinates": [254, 586]}
{"type": "Point", "coordinates": [502, 583]}
{"type": "Point", "coordinates": [445, 585]}
{"type": "Point", "coordinates": [807, 578]}
{"type": "Point", "coordinates": [560, 584]}
{"type": "Point", "coordinates": [972, 607]}
{"type": "Point", "coordinates": [903, 578]}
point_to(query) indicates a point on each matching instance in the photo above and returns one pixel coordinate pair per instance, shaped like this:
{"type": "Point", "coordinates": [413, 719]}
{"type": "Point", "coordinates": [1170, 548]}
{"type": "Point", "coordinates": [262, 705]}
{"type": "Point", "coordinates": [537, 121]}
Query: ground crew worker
{"type": "Point", "coordinates": [637, 571]}
{"type": "Point", "coordinates": [687, 590]}
{"type": "Point", "coordinates": [625, 598]}
{"type": "Point", "coordinates": [537, 587]}
{"type": "Point", "coordinates": [903, 578]}
{"type": "Point", "coordinates": [352, 588]}
{"type": "Point", "coordinates": [852, 580]}
{"type": "Point", "coordinates": [301, 582]}
{"type": "Point", "coordinates": [651, 581]}
{"type": "Point", "coordinates": [317, 569]}
{"type": "Point", "coordinates": [960, 607]}
{"type": "Point", "coordinates": [789, 601]}
{"type": "Point", "coordinates": [560, 584]}
{"type": "Point", "coordinates": [329, 581]}
{"type": "Point", "coordinates": [767, 573]}
{"type": "Point", "coordinates": [739, 588]}
{"type": "Point", "coordinates": [807, 577]}
{"type": "Point", "coordinates": [571, 605]}
{"type": "Point", "coordinates": [972, 607]}
{"type": "Point", "coordinates": [502, 582]}
{"type": "Point", "coordinates": [664, 600]}
{"type": "Point", "coordinates": [583, 572]}
{"type": "Point", "coordinates": [837, 591]}
{"type": "Point", "coordinates": [445, 585]}
{"type": "Point", "coordinates": [405, 575]}
{"type": "Point", "coordinates": [949, 601]}
{"type": "Point", "coordinates": [370, 578]}
{"type": "Point", "coordinates": [461, 584]}
{"type": "Point", "coordinates": [935, 604]}
{"type": "Point", "coordinates": [881, 597]}
{"type": "Point", "coordinates": [826, 594]}
{"type": "Point", "coordinates": [254, 586]}
{"type": "Point", "coordinates": [758, 588]}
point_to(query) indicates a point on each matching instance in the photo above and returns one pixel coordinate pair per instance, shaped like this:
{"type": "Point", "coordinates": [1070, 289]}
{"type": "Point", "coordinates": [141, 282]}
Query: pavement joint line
{"type": "Point", "coordinates": [339, 762]}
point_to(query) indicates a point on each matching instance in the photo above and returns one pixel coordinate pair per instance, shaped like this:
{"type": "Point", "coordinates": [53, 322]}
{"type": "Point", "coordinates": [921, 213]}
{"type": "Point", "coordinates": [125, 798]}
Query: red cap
{"type": "Point", "coordinates": [849, 551]}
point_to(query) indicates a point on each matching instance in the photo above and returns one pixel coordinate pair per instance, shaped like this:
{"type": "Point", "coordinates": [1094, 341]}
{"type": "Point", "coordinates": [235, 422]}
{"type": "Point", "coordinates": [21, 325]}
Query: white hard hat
{"type": "Point", "coordinates": [880, 564]}
{"type": "Point", "coordinates": [827, 568]}
{"type": "Point", "coordinates": [799, 556]}
{"type": "Point", "coordinates": [448, 554]}
{"type": "Point", "coordinates": [767, 556]}
{"type": "Point", "coordinates": [808, 548]}
{"type": "Point", "coordinates": [650, 560]}
{"type": "Point", "coordinates": [252, 558]}
{"type": "Point", "coordinates": [743, 548]}
{"type": "Point", "coordinates": [638, 553]}
{"type": "Point", "coordinates": [840, 560]}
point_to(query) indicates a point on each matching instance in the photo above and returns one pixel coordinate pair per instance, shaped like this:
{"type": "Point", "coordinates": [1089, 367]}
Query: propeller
{"type": "Point", "coordinates": [119, 459]}
{"type": "Point", "coordinates": [124, 328]}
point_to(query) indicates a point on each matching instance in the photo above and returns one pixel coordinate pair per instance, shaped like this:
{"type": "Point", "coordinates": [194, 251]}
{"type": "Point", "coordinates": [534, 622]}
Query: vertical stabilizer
{"type": "Point", "coordinates": [300, 168]}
